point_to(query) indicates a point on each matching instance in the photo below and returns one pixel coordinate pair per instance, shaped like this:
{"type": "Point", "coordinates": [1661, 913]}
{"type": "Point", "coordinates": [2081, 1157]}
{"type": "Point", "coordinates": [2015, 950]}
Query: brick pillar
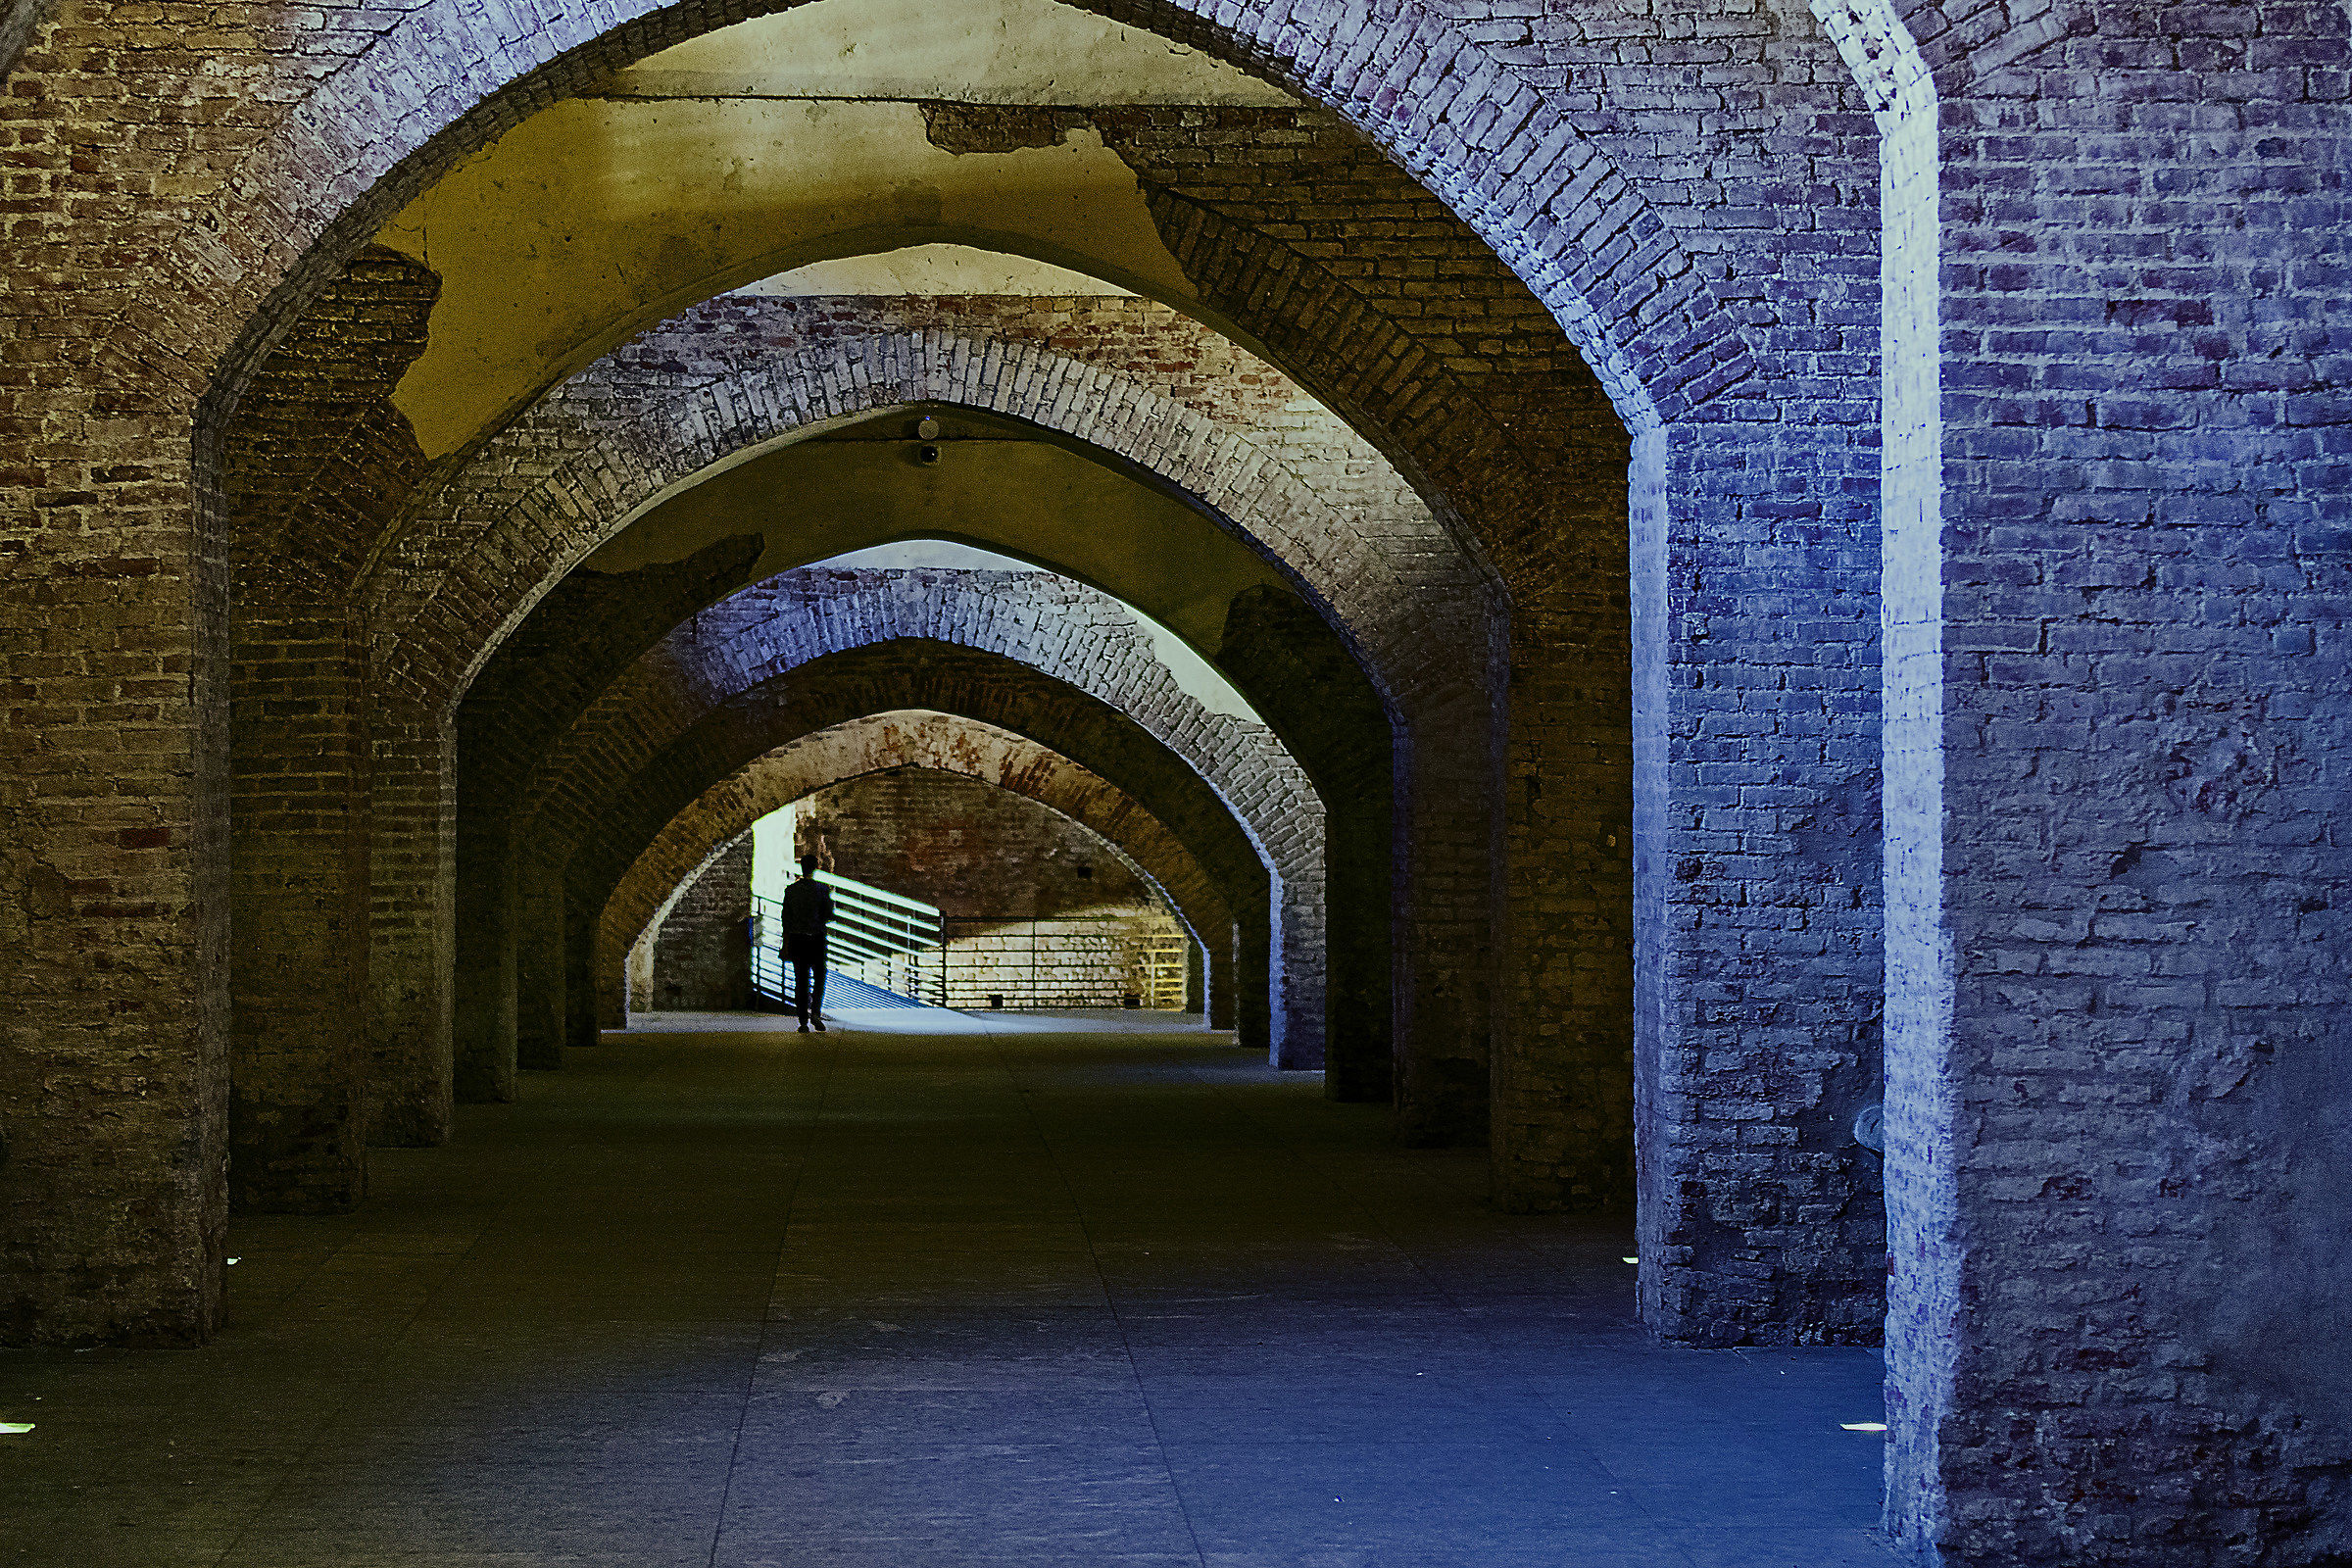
{"type": "Point", "coordinates": [485, 971]}
{"type": "Point", "coordinates": [538, 925]}
{"type": "Point", "coordinates": [1564, 1075]}
{"type": "Point", "coordinates": [1253, 981]}
{"type": "Point", "coordinates": [1445, 954]}
{"type": "Point", "coordinates": [412, 932]}
{"type": "Point", "coordinates": [1358, 1052]}
{"type": "Point", "coordinates": [299, 926]}
{"type": "Point", "coordinates": [1309, 688]}
{"type": "Point", "coordinates": [610, 987]}
{"type": "Point", "coordinates": [1196, 979]}
{"type": "Point", "coordinates": [1294, 1025]}
{"type": "Point", "coordinates": [639, 977]}
{"type": "Point", "coordinates": [701, 951]}
{"type": "Point", "coordinates": [114, 909]}
{"type": "Point", "coordinates": [583, 1000]}
{"type": "Point", "coordinates": [1219, 980]}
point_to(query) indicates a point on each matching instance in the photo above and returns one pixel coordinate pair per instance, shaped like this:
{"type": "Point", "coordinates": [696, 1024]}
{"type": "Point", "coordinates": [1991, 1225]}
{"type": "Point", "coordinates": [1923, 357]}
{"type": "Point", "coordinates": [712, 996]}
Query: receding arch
{"type": "Point", "coordinates": [582, 469]}
{"type": "Point", "coordinates": [403, 64]}
{"type": "Point", "coordinates": [1058, 629]}
{"type": "Point", "coordinates": [603, 480]}
{"type": "Point", "coordinates": [878, 742]}
{"type": "Point", "coordinates": [359, 144]}
{"type": "Point", "coordinates": [855, 683]}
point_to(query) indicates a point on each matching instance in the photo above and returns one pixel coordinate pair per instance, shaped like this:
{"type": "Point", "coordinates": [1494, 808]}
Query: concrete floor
{"type": "Point", "coordinates": [1058, 1292]}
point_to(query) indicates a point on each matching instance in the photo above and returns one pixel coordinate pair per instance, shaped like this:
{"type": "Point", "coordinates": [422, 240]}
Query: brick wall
{"type": "Point", "coordinates": [702, 947]}
{"type": "Point", "coordinates": [1035, 905]}
{"type": "Point", "coordinates": [978, 851]}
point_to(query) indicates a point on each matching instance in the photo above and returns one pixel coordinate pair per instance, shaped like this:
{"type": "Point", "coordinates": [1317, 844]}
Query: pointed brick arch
{"type": "Point", "coordinates": [279, 191]}
{"type": "Point", "coordinates": [440, 84]}
{"type": "Point", "coordinates": [940, 741]}
{"type": "Point", "coordinates": [762, 634]}
{"type": "Point", "coordinates": [841, 688]}
{"type": "Point", "coordinates": [469, 556]}
{"type": "Point", "coordinates": [572, 474]}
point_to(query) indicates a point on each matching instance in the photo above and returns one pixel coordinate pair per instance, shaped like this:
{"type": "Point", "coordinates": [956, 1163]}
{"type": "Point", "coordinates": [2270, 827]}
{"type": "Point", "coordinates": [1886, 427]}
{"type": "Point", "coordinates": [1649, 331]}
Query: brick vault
{"type": "Point", "coordinates": [1761, 569]}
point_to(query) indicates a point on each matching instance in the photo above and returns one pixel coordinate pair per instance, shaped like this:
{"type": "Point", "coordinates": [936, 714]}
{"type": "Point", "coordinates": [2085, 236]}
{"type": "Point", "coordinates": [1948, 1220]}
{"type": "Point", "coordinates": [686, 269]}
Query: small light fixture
{"type": "Point", "coordinates": [1863, 1426]}
{"type": "Point", "coordinates": [926, 430]}
{"type": "Point", "coordinates": [1632, 1260]}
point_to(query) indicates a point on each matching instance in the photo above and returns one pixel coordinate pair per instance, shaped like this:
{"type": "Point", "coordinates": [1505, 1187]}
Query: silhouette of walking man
{"type": "Point", "coordinates": [807, 910]}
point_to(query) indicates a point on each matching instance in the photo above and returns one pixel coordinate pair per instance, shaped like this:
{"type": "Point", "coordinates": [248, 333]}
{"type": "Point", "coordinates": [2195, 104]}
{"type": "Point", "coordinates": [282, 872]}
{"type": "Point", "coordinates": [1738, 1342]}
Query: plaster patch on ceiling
{"type": "Point", "coordinates": [932, 269]}
{"type": "Point", "coordinates": [597, 218]}
{"type": "Point", "coordinates": [977, 51]}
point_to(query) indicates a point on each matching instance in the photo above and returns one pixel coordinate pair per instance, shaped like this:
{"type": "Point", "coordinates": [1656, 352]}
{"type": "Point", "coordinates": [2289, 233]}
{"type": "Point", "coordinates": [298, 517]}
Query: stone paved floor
{"type": "Point", "coordinates": [1057, 1293]}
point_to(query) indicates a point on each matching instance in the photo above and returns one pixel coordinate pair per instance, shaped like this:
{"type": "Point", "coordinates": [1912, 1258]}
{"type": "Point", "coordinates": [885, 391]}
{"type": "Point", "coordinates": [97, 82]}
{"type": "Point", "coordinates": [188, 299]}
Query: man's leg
{"type": "Point", "coordinates": [817, 1004]}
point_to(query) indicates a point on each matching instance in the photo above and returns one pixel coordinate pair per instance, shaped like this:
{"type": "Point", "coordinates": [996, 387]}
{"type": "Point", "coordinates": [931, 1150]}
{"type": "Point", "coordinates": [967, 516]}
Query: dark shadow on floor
{"type": "Point", "coordinates": [1077, 1291]}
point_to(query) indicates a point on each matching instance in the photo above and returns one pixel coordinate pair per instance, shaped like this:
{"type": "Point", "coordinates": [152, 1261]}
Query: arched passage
{"type": "Point", "coordinates": [1053, 627]}
{"type": "Point", "coordinates": [959, 746]}
{"type": "Point", "coordinates": [843, 687]}
{"type": "Point", "coordinates": [1689, 190]}
{"type": "Point", "coordinates": [1680, 320]}
{"type": "Point", "coordinates": [636, 459]}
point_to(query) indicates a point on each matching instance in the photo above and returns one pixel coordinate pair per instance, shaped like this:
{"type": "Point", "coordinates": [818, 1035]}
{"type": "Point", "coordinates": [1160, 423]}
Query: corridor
{"type": "Point", "coordinates": [1094, 1291]}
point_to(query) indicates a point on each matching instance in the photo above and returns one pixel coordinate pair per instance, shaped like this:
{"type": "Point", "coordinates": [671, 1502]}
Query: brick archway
{"type": "Point", "coordinates": [575, 471]}
{"type": "Point", "coordinates": [1054, 627]}
{"type": "Point", "coordinates": [852, 685]}
{"type": "Point", "coordinates": [438, 84]}
{"type": "Point", "coordinates": [570, 474]}
{"type": "Point", "coordinates": [1551, 186]}
{"type": "Point", "coordinates": [1138, 385]}
{"type": "Point", "coordinates": [936, 741]}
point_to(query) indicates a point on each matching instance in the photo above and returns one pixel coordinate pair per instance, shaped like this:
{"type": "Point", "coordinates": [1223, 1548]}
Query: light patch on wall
{"type": "Point", "coordinates": [982, 51]}
{"type": "Point", "coordinates": [773, 861]}
{"type": "Point", "coordinates": [934, 269]}
{"type": "Point", "coordinates": [1194, 674]}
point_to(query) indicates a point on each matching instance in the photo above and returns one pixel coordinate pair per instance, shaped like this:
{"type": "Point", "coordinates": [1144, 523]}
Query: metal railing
{"type": "Point", "coordinates": [1165, 960]}
{"type": "Point", "coordinates": [877, 935]}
